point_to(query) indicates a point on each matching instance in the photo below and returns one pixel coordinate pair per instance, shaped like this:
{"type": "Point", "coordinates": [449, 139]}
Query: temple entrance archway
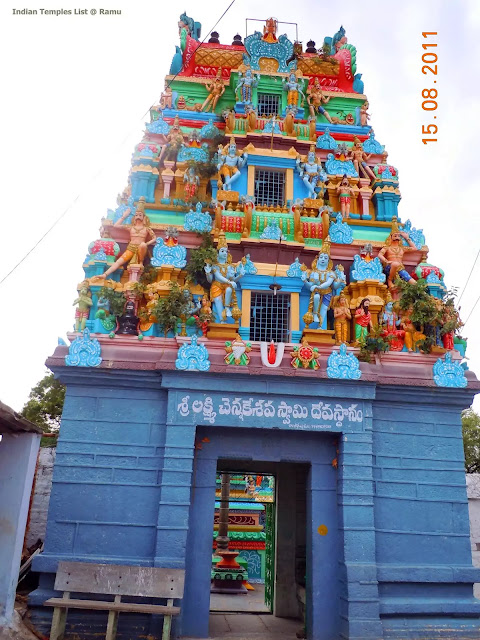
{"type": "Point", "coordinates": [301, 464]}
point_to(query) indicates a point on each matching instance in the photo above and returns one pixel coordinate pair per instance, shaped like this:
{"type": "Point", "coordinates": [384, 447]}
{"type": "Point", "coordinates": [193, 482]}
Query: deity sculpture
{"type": "Point", "coordinates": [322, 281]}
{"type": "Point", "coordinates": [166, 97]}
{"type": "Point", "coordinates": [391, 256]}
{"type": "Point", "coordinates": [191, 182]}
{"type": "Point", "coordinates": [84, 302]}
{"type": "Point", "coordinates": [412, 336]}
{"type": "Point", "coordinates": [390, 322]}
{"type": "Point", "coordinates": [289, 121]}
{"type": "Point", "coordinates": [223, 276]}
{"type": "Point", "coordinates": [204, 315]}
{"type": "Point", "coordinates": [229, 164]}
{"type": "Point", "coordinates": [251, 118]}
{"type": "Point", "coordinates": [141, 237]}
{"type": "Point", "coordinates": [294, 87]}
{"type": "Point", "coordinates": [229, 116]}
{"type": "Point", "coordinates": [315, 98]}
{"type": "Point", "coordinates": [363, 320]}
{"type": "Point", "coordinates": [129, 321]}
{"type": "Point", "coordinates": [174, 140]}
{"type": "Point", "coordinates": [364, 116]}
{"type": "Point", "coordinates": [270, 30]}
{"type": "Point", "coordinates": [312, 174]}
{"type": "Point", "coordinates": [359, 159]}
{"type": "Point", "coordinates": [342, 314]}
{"type": "Point", "coordinates": [216, 89]}
{"type": "Point", "coordinates": [345, 194]}
{"type": "Point", "coordinates": [246, 82]}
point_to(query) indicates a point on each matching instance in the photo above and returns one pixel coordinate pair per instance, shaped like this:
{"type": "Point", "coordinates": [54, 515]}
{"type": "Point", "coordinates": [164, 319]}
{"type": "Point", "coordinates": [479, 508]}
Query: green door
{"type": "Point", "coordinates": [269, 553]}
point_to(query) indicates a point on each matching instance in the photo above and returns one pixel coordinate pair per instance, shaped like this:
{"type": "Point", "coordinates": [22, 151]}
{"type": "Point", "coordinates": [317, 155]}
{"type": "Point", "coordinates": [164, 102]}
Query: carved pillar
{"type": "Point", "coordinates": [244, 329]}
{"type": "Point", "coordinates": [295, 316]}
{"type": "Point", "coordinates": [366, 195]}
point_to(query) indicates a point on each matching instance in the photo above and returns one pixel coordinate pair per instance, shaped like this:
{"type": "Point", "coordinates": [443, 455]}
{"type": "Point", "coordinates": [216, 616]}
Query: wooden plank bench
{"type": "Point", "coordinates": [117, 581]}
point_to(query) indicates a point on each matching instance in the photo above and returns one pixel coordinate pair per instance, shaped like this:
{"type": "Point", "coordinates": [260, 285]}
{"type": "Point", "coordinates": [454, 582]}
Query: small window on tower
{"type": "Point", "coordinates": [269, 187]}
{"type": "Point", "coordinates": [267, 104]}
{"type": "Point", "coordinates": [270, 317]}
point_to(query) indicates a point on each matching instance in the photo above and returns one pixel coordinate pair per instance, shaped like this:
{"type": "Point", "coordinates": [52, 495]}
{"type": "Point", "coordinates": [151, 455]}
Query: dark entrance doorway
{"type": "Point", "coordinates": [250, 509]}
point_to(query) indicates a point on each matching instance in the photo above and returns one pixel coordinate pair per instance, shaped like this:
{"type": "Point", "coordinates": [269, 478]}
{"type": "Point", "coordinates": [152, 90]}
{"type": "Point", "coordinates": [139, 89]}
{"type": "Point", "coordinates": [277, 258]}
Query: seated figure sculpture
{"type": "Point", "coordinates": [323, 283]}
{"type": "Point", "coordinates": [223, 276]}
{"type": "Point", "coordinates": [312, 174]}
{"type": "Point", "coordinates": [391, 256]}
{"type": "Point", "coordinates": [229, 164]}
{"type": "Point", "coordinates": [141, 237]}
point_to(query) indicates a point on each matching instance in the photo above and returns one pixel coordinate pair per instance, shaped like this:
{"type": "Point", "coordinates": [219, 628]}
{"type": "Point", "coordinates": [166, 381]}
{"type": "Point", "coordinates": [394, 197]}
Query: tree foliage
{"type": "Point", "coordinates": [45, 405]}
{"type": "Point", "coordinates": [205, 252]}
{"type": "Point", "coordinates": [169, 309]}
{"type": "Point", "coordinates": [471, 440]}
{"type": "Point", "coordinates": [116, 300]}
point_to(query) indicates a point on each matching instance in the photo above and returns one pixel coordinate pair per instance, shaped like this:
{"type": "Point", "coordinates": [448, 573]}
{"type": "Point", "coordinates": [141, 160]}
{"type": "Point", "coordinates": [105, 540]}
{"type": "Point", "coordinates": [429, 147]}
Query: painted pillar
{"type": "Point", "coordinates": [295, 316]}
{"type": "Point", "coordinates": [174, 505]}
{"type": "Point", "coordinates": [251, 180]}
{"type": "Point", "coordinates": [285, 602]}
{"type": "Point", "coordinates": [379, 201]}
{"type": "Point", "coordinates": [196, 599]}
{"type": "Point", "coordinates": [244, 329]}
{"type": "Point", "coordinates": [323, 549]}
{"type": "Point", "coordinates": [360, 600]}
{"type": "Point", "coordinates": [289, 185]}
{"type": "Point", "coordinates": [18, 456]}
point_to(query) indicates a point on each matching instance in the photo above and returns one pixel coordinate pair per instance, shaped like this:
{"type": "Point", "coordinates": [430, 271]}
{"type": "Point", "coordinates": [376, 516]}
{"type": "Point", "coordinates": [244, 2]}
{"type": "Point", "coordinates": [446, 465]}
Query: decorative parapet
{"type": "Point", "coordinates": [192, 356]}
{"type": "Point", "coordinates": [84, 351]}
{"type": "Point", "coordinates": [343, 365]}
{"type": "Point", "coordinates": [366, 270]}
{"type": "Point", "coordinates": [447, 373]}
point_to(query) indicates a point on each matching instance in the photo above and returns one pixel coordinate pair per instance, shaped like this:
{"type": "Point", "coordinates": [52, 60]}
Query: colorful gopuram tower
{"type": "Point", "coordinates": [259, 302]}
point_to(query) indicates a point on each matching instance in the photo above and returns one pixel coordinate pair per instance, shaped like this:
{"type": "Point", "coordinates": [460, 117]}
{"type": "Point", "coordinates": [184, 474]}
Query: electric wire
{"type": "Point", "coordinates": [469, 276]}
{"type": "Point", "coordinates": [79, 195]}
{"type": "Point", "coordinates": [473, 309]}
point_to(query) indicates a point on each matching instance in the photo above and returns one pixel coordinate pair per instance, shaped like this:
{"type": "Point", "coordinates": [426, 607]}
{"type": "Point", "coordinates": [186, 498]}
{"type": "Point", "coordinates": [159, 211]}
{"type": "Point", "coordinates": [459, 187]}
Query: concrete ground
{"type": "Point", "coordinates": [251, 602]}
{"type": "Point", "coordinates": [245, 626]}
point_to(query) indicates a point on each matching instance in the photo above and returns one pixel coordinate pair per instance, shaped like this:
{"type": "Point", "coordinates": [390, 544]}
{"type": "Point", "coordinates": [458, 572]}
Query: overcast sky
{"type": "Point", "coordinates": [76, 88]}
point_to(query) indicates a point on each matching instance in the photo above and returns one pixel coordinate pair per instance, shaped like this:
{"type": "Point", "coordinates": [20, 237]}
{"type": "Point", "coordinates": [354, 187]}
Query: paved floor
{"type": "Point", "coordinates": [245, 626]}
{"type": "Point", "coordinates": [251, 602]}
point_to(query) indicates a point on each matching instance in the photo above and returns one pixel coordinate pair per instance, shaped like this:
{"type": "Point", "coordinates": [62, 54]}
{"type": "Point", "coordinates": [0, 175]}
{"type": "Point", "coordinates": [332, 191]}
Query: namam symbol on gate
{"type": "Point", "coordinates": [207, 409]}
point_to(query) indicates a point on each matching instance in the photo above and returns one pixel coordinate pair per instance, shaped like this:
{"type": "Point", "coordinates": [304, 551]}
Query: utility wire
{"type": "Point", "coordinates": [473, 309]}
{"type": "Point", "coordinates": [77, 197]}
{"type": "Point", "coordinates": [469, 276]}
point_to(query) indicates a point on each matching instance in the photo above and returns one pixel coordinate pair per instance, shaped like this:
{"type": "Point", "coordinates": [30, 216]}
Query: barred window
{"type": "Point", "coordinates": [267, 104]}
{"type": "Point", "coordinates": [269, 187]}
{"type": "Point", "coordinates": [270, 317]}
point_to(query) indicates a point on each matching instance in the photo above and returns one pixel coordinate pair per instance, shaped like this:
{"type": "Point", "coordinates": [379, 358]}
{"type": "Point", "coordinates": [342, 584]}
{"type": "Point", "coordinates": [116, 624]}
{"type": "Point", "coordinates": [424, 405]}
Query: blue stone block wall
{"type": "Point", "coordinates": [106, 490]}
{"type": "Point", "coordinates": [424, 561]}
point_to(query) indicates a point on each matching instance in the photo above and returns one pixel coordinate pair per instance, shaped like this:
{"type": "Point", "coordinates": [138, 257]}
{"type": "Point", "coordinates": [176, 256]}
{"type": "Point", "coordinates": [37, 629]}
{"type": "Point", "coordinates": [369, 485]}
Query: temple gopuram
{"type": "Point", "coordinates": [258, 302]}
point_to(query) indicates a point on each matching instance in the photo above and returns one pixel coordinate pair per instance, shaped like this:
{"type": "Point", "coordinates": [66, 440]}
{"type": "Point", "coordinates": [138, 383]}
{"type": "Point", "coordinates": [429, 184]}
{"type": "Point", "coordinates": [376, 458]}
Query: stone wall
{"type": "Point", "coordinates": [473, 492]}
{"type": "Point", "coordinates": [43, 487]}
